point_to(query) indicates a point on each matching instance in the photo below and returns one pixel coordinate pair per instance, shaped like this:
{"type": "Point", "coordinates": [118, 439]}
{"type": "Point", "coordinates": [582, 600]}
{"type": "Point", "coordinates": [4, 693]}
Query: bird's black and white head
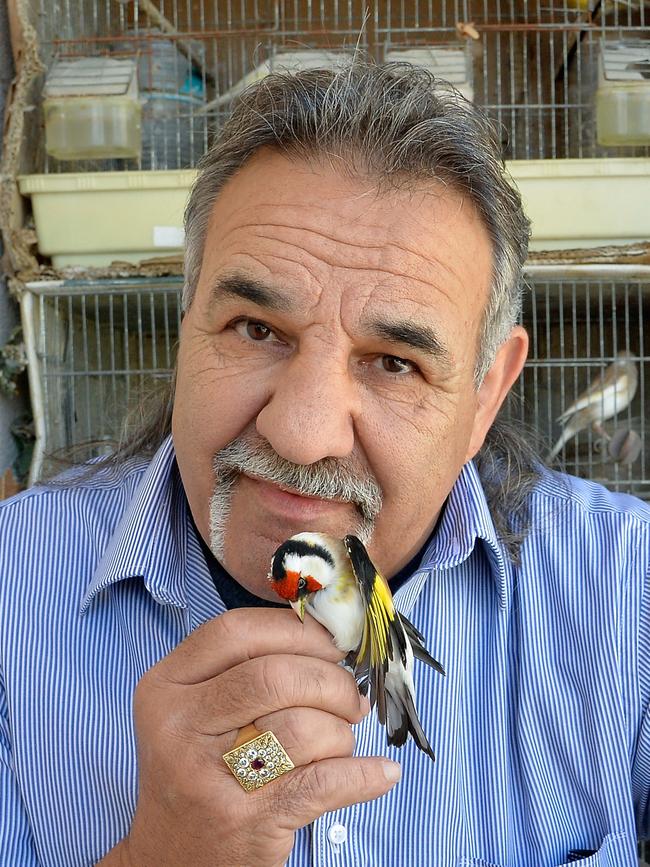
{"type": "Point", "coordinates": [300, 567]}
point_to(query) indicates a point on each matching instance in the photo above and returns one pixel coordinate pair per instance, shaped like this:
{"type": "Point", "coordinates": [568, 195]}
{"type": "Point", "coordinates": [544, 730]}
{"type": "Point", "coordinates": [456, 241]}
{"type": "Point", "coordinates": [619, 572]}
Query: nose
{"type": "Point", "coordinates": [310, 413]}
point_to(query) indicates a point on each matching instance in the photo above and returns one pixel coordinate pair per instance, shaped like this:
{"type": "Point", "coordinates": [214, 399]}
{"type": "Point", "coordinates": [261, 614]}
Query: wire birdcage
{"type": "Point", "coordinates": [95, 350]}
{"type": "Point", "coordinates": [533, 64]}
{"type": "Point", "coordinates": [579, 322]}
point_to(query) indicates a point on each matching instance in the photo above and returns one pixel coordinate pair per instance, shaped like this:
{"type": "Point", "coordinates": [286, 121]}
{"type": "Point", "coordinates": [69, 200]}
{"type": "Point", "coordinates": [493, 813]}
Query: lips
{"type": "Point", "coordinates": [287, 504]}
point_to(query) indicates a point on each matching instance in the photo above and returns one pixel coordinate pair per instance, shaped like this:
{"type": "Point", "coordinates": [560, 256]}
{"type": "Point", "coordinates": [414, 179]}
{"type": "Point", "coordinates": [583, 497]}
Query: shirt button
{"type": "Point", "coordinates": [337, 834]}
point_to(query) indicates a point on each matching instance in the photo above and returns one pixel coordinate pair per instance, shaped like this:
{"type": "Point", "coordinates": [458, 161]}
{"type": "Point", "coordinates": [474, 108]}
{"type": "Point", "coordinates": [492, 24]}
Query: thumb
{"type": "Point", "coordinates": [309, 791]}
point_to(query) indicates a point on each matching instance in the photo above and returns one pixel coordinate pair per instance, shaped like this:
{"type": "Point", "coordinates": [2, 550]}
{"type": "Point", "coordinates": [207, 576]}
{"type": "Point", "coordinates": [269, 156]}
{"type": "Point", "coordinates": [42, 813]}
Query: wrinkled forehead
{"type": "Point", "coordinates": [270, 179]}
{"type": "Point", "coordinates": [280, 214]}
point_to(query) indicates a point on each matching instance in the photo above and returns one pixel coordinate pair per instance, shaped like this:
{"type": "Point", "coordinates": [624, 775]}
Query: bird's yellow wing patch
{"type": "Point", "coordinates": [380, 613]}
{"type": "Point", "coordinates": [376, 647]}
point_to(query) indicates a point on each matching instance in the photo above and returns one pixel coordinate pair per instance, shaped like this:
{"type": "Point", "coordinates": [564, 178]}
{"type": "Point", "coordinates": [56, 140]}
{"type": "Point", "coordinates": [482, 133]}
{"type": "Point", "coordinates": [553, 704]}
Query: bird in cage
{"type": "Point", "coordinates": [336, 582]}
{"type": "Point", "coordinates": [611, 393]}
{"type": "Point", "coordinates": [594, 6]}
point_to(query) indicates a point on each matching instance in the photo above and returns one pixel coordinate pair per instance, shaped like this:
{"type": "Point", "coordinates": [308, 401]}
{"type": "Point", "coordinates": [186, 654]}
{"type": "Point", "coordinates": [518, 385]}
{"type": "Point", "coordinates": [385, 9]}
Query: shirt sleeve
{"type": "Point", "coordinates": [16, 840]}
{"type": "Point", "coordinates": [641, 759]}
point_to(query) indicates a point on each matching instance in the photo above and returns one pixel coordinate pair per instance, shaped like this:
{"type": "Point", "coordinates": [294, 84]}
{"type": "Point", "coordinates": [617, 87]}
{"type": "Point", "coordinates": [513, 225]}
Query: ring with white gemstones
{"type": "Point", "coordinates": [257, 761]}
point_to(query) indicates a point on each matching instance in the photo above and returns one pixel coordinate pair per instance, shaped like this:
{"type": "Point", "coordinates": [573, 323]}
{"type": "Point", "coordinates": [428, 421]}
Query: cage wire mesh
{"type": "Point", "coordinates": [100, 347]}
{"type": "Point", "coordinates": [578, 327]}
{"type": "Point", "coordinates": [532, 65]}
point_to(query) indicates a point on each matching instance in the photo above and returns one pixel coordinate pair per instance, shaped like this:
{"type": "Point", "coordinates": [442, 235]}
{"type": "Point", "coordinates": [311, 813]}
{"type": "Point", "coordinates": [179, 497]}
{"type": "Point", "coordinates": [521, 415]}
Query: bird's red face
{"type": "Point", "coordinates": [294, 586]}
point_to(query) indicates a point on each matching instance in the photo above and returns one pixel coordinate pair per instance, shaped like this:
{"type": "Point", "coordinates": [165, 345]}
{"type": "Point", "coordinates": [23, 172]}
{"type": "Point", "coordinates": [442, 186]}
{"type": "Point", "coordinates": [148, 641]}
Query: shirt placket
{"type": "Point", "coordinates": [339, 839]}
{"type": "Point", "coordinates": [483, 760]}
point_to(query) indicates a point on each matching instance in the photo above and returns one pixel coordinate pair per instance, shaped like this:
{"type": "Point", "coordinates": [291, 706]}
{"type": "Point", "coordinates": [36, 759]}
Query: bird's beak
{"type": "Point", "coordinates": [300, 609]}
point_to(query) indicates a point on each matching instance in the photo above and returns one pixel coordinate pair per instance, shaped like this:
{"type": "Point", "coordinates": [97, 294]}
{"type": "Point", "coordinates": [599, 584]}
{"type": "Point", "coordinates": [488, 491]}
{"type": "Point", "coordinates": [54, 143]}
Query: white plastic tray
{"type": "Point", "coordinates": [96, 218]}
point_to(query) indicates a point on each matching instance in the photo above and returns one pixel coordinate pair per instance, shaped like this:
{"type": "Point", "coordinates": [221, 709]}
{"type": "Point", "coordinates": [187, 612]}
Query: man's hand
{"type": "Point", "coordinates": [250, 665]}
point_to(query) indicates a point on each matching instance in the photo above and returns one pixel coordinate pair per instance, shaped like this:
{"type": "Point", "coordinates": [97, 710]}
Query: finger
{"type": "Point", "coordinates": [305, 793]}
{"type": "Point", "coordinates": [268, 684]}
{"type": "Point", "coordinates": [248, 733]}
{"type": "Point", "coordinates": [240, 635]}
{"type": "Point", "coordinates": [308, 734]}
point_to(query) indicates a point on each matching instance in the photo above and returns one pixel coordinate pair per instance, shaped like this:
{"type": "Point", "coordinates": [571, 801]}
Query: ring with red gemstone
{"type": "Point", "coordinates": [258, 761]}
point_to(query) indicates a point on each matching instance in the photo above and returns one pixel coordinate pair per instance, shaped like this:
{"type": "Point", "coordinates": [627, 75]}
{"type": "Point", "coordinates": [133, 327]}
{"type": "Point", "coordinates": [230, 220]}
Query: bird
{"type": "Point", "coordinates": [594, 6]}
{"type": "Point", "coordinates": [611, 393]}
{"type": "Point", "coordinates": [336, 582]}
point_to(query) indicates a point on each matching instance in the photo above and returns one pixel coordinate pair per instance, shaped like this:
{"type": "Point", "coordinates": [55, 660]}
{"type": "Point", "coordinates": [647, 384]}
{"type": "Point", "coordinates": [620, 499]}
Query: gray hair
{"type": "Point", "coordinates": [393, 122]}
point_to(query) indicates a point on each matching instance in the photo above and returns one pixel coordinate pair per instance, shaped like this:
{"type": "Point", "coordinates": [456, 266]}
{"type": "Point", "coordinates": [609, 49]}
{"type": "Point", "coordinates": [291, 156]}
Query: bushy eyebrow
{"type": "Point", "coordinates": [251, 290]}
{"type": "Point", "coordinates": [400, 333]}
{"type": "Point", "coordinates": [422, 338]}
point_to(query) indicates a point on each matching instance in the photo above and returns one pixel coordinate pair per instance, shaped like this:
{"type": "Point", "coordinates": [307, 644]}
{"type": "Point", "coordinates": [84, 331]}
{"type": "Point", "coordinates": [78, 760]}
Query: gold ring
{"type": "Point", "coordinates": [258, 761]}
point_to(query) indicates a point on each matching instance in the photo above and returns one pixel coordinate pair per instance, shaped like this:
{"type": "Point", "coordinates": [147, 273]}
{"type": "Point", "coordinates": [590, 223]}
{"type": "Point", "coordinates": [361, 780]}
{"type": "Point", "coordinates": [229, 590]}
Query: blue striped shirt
{"type": "Point", "coordinates": [541, 728]}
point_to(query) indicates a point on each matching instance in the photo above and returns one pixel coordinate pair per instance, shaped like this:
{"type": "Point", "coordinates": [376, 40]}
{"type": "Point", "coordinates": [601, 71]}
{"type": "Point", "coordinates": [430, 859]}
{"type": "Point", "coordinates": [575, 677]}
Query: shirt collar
{"type": "Point", "coordinates": [150, 539]}
{"type": "Point", "coordinates": [465, 519]}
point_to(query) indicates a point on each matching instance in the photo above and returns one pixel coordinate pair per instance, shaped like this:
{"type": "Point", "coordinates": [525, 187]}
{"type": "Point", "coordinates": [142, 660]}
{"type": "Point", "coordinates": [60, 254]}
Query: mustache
{"type": "Point", "coordinates": [343, 479]}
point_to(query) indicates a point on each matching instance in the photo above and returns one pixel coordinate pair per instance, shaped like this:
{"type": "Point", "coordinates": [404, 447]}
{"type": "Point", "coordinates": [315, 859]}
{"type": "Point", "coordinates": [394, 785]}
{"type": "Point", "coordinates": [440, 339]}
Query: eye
{"type": "Point", "coordinates": [253, 330]}
{"type": "Point", "coordinates": [302, 583]}
{"type": "Point", "coordinates": [394, 364]}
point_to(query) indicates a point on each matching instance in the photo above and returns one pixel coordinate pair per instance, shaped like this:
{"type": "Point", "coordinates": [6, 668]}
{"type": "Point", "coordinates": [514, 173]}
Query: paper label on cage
{"type": "Point", "coordinates": [168, 236]}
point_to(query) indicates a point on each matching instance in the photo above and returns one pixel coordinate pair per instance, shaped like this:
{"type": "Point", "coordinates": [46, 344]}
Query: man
{"type": "Point", "coordinates": [354, 257]}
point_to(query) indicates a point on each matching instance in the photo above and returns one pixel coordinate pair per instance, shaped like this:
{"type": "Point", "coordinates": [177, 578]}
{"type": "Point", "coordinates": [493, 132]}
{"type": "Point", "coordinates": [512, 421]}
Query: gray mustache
{"type": "Point", "coordinates": [330, 478]}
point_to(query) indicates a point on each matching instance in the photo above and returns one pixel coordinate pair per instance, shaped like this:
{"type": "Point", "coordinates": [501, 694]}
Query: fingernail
{"type": "Point", "coordinates": [392, 771]}
{"type": "Point", "coordinates": [364, 704]}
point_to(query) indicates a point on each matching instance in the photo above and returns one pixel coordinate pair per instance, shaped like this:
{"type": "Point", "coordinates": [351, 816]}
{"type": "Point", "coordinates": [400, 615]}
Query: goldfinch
{"type": "Point", "coordinates": [337, 583]}
{"type": "Point", "coordinates": [608, 395]}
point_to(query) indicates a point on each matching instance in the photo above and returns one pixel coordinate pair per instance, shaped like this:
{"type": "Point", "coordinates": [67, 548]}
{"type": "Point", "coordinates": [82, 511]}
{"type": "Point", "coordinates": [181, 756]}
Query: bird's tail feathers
{"type": "Point", "coordinates": [417, 645]}
{"type": "Point", "coordinates": [363, 685]}
{"type": "Point", "coordinates": [397, 727]}
{"type": "Point", "coordinates": [379, 693]}
{"type": "Point", "coordinates": [371, 682]}
{"type": "Point", "coordinates": [578, 422]}
{"type": "Point", "coordinates": [572, 410]}
{"type": "Point", "coordinates": [557, 448]}
{"type": "Point", "coordinates": [402, 718]}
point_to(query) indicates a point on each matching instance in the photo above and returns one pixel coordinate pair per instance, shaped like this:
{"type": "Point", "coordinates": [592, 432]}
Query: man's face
{"type": "Point", "coordinates": [331, 325]}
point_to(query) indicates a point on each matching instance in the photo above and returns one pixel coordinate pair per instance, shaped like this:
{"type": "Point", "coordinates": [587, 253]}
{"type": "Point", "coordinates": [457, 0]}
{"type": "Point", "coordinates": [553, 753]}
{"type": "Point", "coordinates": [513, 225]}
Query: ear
{"type": "Point", "coordinates": [498, 381]}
